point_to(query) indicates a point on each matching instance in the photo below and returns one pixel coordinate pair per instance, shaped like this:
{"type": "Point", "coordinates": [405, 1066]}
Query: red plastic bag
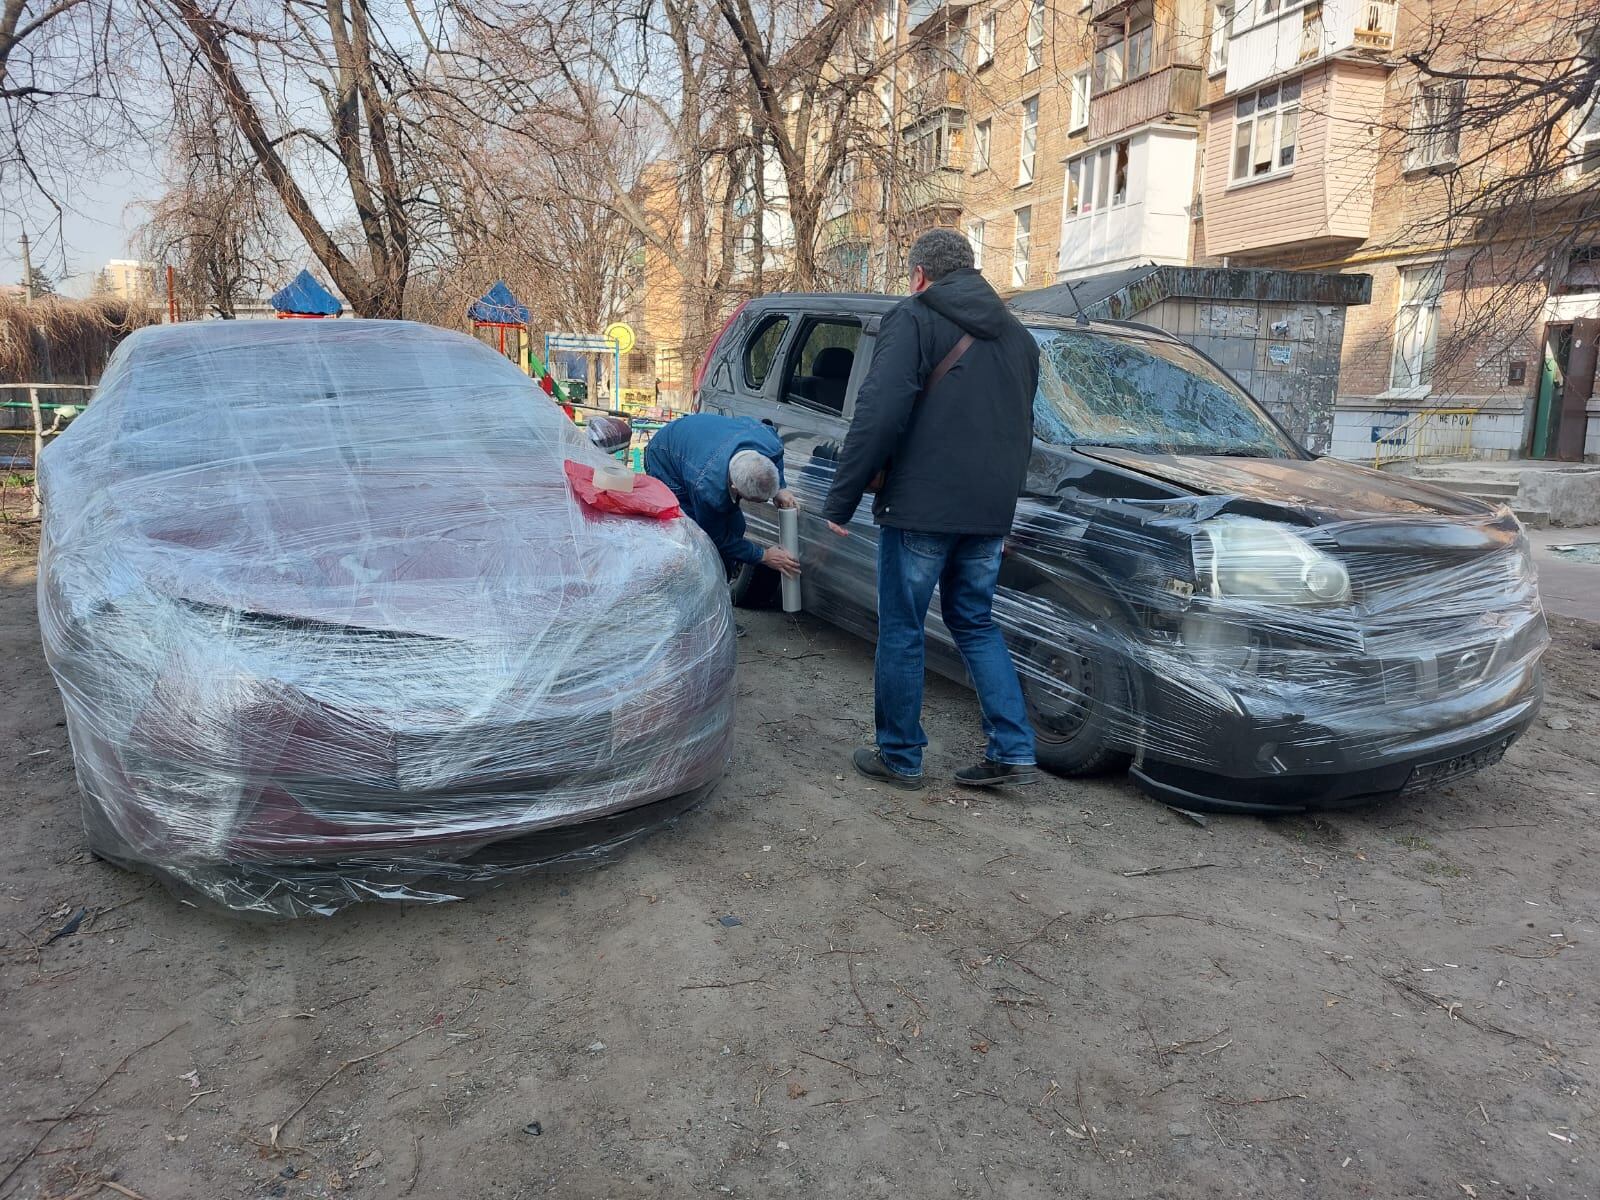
{"type": "Point", "coordinates": [649, 498]}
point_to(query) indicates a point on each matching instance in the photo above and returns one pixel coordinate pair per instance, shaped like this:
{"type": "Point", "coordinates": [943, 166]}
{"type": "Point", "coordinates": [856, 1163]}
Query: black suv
{"type": "Point", "coordinates": [1186, 591]}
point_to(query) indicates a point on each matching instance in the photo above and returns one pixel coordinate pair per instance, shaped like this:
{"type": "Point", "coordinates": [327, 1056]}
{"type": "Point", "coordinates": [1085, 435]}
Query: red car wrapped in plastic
{"type": "Point", "coordinates": [330, 625]}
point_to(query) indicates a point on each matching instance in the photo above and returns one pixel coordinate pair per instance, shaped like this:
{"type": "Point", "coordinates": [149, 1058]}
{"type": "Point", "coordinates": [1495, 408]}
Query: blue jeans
{"type": "Point", "coordinates": [966, 570]}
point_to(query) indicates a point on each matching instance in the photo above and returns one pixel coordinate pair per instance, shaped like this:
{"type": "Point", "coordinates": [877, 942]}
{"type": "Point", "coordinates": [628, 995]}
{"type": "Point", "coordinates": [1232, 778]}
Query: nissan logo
{"type": "Point", "coordinates": [1471, 665]}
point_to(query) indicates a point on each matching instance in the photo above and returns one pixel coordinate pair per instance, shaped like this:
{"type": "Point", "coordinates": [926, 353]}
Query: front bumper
{"type": "Point", "coordinates": [1298, 763]}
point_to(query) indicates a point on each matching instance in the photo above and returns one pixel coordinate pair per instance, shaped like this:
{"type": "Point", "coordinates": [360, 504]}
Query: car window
{"type": "Point", "coordinates": [762, 350]}
{"type": "Point", "coordinates": [1145, 394]}
{"type": "Point", "coordinates": [820, 366]}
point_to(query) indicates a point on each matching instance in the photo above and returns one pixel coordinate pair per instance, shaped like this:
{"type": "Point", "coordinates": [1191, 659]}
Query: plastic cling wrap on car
{"type": "Point", "coordinates": [1188, 593]}
{"type": "Point", "coordinates": [330, 625]}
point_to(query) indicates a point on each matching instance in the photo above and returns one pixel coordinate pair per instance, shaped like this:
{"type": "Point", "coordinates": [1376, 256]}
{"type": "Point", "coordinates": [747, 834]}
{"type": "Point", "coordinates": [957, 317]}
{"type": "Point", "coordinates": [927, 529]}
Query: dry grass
{"type": "Point", "coordinates": [63, 341]}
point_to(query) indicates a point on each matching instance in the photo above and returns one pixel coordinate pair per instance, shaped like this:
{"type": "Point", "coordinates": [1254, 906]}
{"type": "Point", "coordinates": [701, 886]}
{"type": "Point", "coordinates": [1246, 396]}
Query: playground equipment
{"type": "Point", "coordinates": [304, 297]}
{"type": "Point", "coordinates": [498, 310]}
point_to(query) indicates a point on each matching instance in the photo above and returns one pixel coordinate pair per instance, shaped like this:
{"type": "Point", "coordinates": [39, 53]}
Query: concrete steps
{"type": "Point", "coordinates": [1509, 483]}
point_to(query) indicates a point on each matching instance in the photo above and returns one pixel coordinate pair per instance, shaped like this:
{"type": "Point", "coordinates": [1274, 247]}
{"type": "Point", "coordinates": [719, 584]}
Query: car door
{"type": "Point", "coordinates": [822, 371]}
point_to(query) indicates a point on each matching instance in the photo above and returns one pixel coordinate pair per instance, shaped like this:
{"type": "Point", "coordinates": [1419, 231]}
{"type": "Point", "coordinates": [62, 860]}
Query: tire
{"type": "Point", "coordinates": [752, 585]}
{"type": "Point", "coordinates": [1078, 736]}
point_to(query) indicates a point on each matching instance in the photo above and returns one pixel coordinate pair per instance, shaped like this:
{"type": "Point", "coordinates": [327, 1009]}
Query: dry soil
{"type": "Point", "coordinates": [1067, 991]}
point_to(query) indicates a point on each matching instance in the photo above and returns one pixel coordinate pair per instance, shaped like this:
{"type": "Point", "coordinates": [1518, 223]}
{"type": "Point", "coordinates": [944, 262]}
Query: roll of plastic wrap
{"type": "Point", "coordinates": [789, 539]}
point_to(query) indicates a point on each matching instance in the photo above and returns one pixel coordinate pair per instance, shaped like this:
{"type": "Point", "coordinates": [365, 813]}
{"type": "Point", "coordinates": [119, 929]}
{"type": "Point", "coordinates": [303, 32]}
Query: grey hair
{"type": "Point", "coordinates": [753, 475]}
{"type": "Point", "coordinates": [940, 251]}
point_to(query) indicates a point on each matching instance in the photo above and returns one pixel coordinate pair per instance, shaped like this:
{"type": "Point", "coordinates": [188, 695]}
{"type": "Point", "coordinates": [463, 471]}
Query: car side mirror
{"type": "Point", "coordinates": [610, 434]}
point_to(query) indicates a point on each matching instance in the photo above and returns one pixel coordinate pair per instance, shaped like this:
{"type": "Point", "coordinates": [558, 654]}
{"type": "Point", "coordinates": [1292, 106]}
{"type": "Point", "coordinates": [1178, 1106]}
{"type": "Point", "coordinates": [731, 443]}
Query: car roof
{"type": "Point", "coordinates": [877, 302]}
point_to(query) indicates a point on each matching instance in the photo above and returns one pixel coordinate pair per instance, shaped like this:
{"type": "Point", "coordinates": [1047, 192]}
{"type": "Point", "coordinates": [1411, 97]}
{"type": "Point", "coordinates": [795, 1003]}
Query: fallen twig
{"type": "Point", "coordinates": [1036, 934]}
{"type": "Point", "coordinates": [872, 1020]}
{"type": "Point", "coordinates": [848, 1100]}
{"type": "Point", "coordinates": [690, 987]}
{"type": "Point", "coordinates": [416, 1164]}
{"type": "Point", "coordinates": [277, 1129]}
{"type": "Point", "coordinates": [1457, 1011]}
{"type": "Point", "coordinates": [845, 1065]}
{"type": "Point", "coordinates": [1336, 1066]}
{"type": "Point", "coordinates": [73, 1111]}
{"type": "Point", "coordinates": [1165, 870]}
{"type": "Point", "coordinates": [1258, 1100]}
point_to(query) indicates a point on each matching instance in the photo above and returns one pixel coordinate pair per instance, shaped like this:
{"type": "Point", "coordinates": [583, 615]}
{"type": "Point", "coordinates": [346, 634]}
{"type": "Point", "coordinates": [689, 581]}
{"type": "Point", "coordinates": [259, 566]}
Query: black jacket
{"type": "Point", "coordinates": [957, 458]}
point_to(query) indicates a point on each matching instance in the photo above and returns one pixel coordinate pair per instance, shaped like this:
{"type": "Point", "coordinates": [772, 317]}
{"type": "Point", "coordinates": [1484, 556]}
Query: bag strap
{"type": "Point", "coordinates": [948, 361]}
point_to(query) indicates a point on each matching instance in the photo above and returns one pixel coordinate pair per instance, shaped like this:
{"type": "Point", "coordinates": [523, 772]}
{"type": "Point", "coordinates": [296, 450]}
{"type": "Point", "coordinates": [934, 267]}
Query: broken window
{"type": "Point", "coordinates": [1436, 125]}
{"type": "Point", "coordinates": [1416, 329]}
{"type": "Point", "coordinates": [1020, 244]}
{"type": "Point", "coordinates": [1266, 129]}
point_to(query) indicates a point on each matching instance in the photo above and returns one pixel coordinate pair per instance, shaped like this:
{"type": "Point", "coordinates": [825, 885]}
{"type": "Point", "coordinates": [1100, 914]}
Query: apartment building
{"type": "Point", "coordinates": [1327, 152]}
{"type": "Point", "coordinates": [1072, 140]}
{"type": "Point", "coordinates": [127, 279]}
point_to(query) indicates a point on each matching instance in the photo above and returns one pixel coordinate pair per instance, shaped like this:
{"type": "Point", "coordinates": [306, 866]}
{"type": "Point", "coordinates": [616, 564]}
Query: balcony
{"type": "Point", "coordinates": [1105, 8]}
{"type": "Point", "coordinates": [1375, 25]}
{"type": "Point", "coordinates": [936, 194]}
{"type": "Point", "coordinates": [1303, 36]}
{"type": "Point", "coordinates": [1171, 91]}
{"type": "Point", "coordinates": [943, 87]}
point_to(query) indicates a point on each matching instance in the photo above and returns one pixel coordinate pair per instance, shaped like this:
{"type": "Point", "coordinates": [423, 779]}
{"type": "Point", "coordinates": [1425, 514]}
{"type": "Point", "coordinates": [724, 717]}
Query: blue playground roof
{"type": "Point", "coordinates": [498, 306]}
{"type": "Point", "coordinates": [307, 297]}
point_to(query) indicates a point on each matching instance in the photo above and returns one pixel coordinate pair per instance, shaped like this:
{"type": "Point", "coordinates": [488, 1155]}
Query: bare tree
{"type": "Point", "coordinates": [811, 78]}
{"type": "Point", "coordinates": [217, 223]}
{"type": "Point", "coordinates": [1494, 131]}
{"type": "Point", "coordinates": [388, 97]}
{"type": "Point", "coordinates": [62, 97]}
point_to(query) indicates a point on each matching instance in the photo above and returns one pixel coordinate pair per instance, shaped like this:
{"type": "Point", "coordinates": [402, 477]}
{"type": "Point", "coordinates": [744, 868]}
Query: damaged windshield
{"type": "Point", "coordinates": [1136, 393]}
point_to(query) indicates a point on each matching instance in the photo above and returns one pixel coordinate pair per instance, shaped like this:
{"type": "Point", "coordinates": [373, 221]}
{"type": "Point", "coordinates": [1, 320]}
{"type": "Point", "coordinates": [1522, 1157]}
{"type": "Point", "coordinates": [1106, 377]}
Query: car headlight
{"type": "Point", "coordinates": [1244, 558]}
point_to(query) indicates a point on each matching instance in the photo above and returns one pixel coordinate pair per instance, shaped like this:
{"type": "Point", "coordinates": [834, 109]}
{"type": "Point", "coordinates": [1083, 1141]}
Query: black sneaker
{"type": "Point", "coordinates": [870, 763]}
{"type": "Point", "coordinates": [989, 773]}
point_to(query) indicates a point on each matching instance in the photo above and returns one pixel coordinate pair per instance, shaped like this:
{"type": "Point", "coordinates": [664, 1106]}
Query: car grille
{"type": "Point", "coordinates": [1422, 589]}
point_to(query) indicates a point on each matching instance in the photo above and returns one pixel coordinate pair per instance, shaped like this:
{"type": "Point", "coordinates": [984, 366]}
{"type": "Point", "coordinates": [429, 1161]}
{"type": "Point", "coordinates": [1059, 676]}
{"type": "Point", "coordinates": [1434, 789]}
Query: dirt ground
{"type": "Point", "coordinates": [1068, 991]}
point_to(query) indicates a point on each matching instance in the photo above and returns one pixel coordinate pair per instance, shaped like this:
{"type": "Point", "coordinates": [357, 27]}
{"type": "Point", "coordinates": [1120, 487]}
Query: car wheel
{"type": "Point", "coordinates": [1076, 718]}
{"type": "Point", "coordinates": [752, 585]}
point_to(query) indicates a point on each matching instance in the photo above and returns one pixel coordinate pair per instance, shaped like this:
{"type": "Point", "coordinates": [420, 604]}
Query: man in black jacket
{"type": "Point", "coordinates": [942, 432]}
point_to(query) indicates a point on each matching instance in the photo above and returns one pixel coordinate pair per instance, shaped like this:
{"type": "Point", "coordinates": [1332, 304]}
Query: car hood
{"type": "Point", "coordinates": [394, 552]}
{"type": "Point", "coordinates": [1342, 491]}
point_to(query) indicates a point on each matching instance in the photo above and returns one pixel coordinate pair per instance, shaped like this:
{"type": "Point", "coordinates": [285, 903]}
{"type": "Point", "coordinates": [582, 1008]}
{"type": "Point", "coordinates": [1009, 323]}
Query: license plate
{"type": "Point", "coordinates": [1431, 775]}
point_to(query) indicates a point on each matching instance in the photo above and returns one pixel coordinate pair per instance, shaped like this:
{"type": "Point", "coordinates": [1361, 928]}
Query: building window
{"type": "Point", "coordinates": [1101, 179]}
{"type": "Point", "coordinates": [1586, 142]}
{"type": "Point", "coordinates": [1221, 28]}
{"type": "Point", "coordinates": [1313, 34]}
{"type": "Point", "coordinates": [986, 40]}
{"type": "Point", "coordinates": [1035, 35]}
{"type": "Point", "coordinates": [1019, 247]}
{"type": "Point", "coordinates": [981, 136]}
{"type": "Point", "coordinates": [935, 143]}
{"type": "Point", "coordinates": [1265, 125]}
{"type": "Point", "coordinates": [1435, 138]}
{"type": "Point", "coordinates": [1268, 7]}
{"type": "Point", "coordinates": [1028, 143]}
{"type": "Point", "coordinates": [975, 236]}
{"type": "Point", "coordinates": [889, 20]}
{"type": "Point", "coordinates": [1126, 51]}
{"type": "Point", "coordinates": [1416, 326]}
{"type": "Point", "coordinates": [1080, 101]}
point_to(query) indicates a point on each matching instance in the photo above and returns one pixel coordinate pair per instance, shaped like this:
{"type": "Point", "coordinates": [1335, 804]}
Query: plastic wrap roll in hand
{"type": "Point", "coordinates": [789, 539]}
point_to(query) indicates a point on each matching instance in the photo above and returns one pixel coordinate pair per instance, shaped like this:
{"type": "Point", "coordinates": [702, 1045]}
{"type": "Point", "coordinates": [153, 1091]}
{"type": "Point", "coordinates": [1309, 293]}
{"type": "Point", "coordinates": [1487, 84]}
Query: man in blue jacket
{"type": "Point", "coordinates": [711, 463]}
{"type": "Point", "coordinates": [942, 433]}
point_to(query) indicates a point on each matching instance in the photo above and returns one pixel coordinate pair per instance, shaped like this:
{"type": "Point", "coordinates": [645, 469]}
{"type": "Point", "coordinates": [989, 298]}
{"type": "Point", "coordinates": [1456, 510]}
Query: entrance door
{"type": "Point", "coordinates": [1552, 386]}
